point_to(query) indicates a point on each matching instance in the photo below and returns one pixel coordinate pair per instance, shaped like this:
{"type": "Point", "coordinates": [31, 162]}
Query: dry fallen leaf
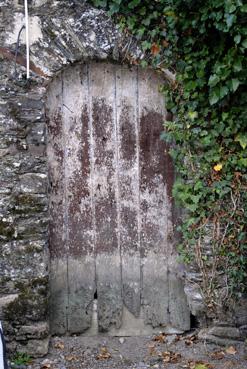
{"type": "Point", "coordinates": [217, 355]}
{"type": "Point", "coordinates": [178, 338]}
{"type": "Point", "coordinates": [231, 350]}
{"type": "Point", "coordinates": [160, 338]}
{"type": "Point", "coordinates": [59, 345]}
{"type": "Point", "coordinates": [104, 354]}
{"type": "Point", "coordinates": [190, 340]}
{"type": "Point", "coordinates": [171, 357]}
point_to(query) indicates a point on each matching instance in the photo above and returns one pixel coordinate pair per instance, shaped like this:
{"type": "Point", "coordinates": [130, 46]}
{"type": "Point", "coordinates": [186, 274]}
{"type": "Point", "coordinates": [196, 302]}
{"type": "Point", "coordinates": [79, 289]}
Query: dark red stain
{"type": "Point", "coordinates": [127, 133]}
{"type": "Point", "coordinates": [154, 161]}
{"type": "Point", "coordinates": [55, 125]}
{"type": "Point", "coordinates": [127, 159]}
{"type": "Point", "coordinates": [155, 152]}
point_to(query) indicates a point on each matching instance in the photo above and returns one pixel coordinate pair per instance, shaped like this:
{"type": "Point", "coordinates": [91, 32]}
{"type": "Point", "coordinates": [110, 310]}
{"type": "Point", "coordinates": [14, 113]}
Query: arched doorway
{"type": "Point", "coordinates": [111, 233]}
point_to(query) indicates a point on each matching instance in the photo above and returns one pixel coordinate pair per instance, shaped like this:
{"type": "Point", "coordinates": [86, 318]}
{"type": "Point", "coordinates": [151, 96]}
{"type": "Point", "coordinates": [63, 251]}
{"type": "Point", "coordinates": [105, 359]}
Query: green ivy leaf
{"type": "Point", "coordinates": [114, 8]}
{"type": "Point", "coordinates": [223, 91]}
{"type": "Point", "coordinates": [100, 3]}
{"type": "Point", "coordinates": [230, 18]}
{"type": "Point", "coordinates": [243, 162]}
{"type": "Point", "coordinates": [244, 8]}
{"type": "Point", "coordinates": [214, 97]}
{"type": "Point", "coordinates": [244, 43]}
{"type": "Point", "coordinates": [192, 115]}
{"type": "Point", "coordinates": [242, 139]}
{"type": "Point", "coordinates": [133, 4]}
{"type": "Point", "coordinates": [213, 80]}
{"type": "Point", "coordinates": [237, 66]}
{"type": "Point", "coordinates": [146, 45]}
{"type": "Point", "coordinates": [234, 83]}
{"type": "Point", "coordinates": [237, 39]}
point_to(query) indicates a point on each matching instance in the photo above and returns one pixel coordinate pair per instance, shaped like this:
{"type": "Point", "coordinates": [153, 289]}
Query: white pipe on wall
{"type": "Point", "coordinates": [27, 39]}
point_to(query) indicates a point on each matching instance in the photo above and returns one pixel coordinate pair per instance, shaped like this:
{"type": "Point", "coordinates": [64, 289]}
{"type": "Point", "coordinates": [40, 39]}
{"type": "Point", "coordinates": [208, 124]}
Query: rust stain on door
{"type": "Point", "coordinates": [111, 232]}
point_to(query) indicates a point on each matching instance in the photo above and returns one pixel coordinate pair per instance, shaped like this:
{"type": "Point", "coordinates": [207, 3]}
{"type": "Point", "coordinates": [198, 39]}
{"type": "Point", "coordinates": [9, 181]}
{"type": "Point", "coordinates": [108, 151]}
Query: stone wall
{"type": "Point", "coordinates": [61, 33]}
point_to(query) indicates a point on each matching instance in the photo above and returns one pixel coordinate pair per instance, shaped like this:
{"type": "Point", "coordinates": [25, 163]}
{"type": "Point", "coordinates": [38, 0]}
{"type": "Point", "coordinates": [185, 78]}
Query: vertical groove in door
{"type": "Point", "coordinates": [65, 203]}
{"type": "Point", "coordinates": [89, 98]}
{"type": "Point", "coordinates": [139, 221]}
{"type": "Point", "coordinates": [116, 127]}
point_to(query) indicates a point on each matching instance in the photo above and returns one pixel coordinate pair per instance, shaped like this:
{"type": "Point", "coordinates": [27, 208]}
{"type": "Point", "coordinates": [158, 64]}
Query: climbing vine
{"type": "Point", "coordinates": [204, 43]}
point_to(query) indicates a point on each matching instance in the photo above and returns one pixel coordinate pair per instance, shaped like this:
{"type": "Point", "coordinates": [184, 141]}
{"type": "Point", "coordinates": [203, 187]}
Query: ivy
{"type": "Point", "coordinates": [204, 42]}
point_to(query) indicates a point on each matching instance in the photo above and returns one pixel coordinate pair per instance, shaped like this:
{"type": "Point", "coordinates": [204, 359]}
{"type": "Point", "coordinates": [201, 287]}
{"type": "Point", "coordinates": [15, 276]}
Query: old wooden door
{"type": "Point", "coordinates": [111, 233]}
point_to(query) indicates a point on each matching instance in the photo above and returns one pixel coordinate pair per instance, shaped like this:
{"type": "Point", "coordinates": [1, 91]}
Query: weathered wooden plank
{"type": "Point", "coordinates": [155, 208]}
{"type": "Point", "coordinates": [128, 134]}
{"type": "Point", "coordinates": [178, 306]}
{"type": "Point", "coordinates": [106, 196]}
{"type": "Point", "coordinates": [58, 257]}
{"type": "Point", "coordinates": [78, 220]}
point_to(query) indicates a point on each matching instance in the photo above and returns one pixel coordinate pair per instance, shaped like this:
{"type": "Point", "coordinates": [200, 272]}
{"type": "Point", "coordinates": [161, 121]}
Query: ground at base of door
{"type": "Point", "coordinates": [160, 351]}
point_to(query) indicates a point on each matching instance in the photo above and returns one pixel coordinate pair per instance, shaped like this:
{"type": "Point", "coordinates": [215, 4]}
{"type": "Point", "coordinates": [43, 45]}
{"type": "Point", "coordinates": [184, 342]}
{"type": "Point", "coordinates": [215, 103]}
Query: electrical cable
{"type": "Point", "coordinates": [17, 49]}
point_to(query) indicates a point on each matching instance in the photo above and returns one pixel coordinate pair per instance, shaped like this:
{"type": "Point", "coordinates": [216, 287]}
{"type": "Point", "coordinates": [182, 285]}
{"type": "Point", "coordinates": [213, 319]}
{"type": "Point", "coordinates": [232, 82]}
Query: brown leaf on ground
{"type": "Point", "coordinates": [178, 338]}
{"type": "Point", "coordinates": [189, 341]}
{"type": "Point", "coordinates": [231, 350]}
{"type": "Point", "coordinates": [59, 345]}
{"type": "Point", "coordinates": [160, 338]}
{"type": "Point", "coordinates": [104, 354]}
{"type": "Point", "coordinates": [171, 357]}
{"type": "Point", "coordinates": [217, 355]}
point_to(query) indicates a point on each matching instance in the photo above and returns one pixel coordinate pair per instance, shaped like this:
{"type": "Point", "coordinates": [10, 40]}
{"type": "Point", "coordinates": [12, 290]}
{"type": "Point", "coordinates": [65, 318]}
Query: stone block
{"type": "Point", "coordinates": [35, 348]}
{"type": "Point", "coordinates": [227, 332]}
{"type": "Point", "coordinates": [206, 335]}
{"type": "Point", "coordinates": [33, 183]}
{"type": "Point", "coordinates": [240, 313]}
{"type": "Point", "coordinates": [36, 331]}
{"type": "Point", "coordinates": [5, 301]}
